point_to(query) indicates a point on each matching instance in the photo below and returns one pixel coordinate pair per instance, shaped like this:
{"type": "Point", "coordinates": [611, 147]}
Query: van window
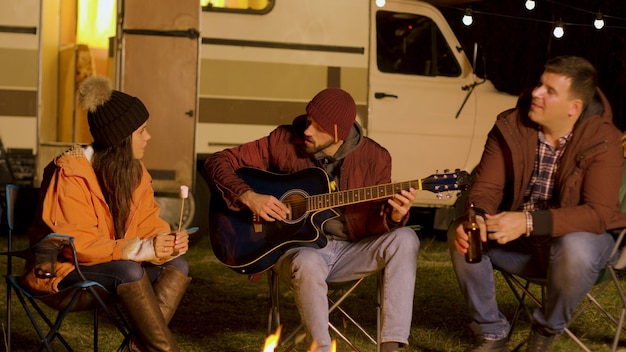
{"type": "Point", "coordinates": [412, 44]}
{"type": "Point", "coordinates": [255, 7]}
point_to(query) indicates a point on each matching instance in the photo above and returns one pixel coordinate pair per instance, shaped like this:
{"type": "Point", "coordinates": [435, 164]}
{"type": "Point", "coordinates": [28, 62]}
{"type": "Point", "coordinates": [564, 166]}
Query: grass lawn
{"type": "Point", "coordinates": [223, 311]}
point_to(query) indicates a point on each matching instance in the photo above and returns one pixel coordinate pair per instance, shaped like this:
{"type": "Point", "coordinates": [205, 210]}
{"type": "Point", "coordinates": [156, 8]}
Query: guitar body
{"type": "Point", "coordinates": [250, 249]}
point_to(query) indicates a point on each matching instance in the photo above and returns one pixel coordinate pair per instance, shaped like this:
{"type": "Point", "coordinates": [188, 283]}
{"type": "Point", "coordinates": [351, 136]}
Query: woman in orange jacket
{"type": "Point", "coordinates": [102, 196]}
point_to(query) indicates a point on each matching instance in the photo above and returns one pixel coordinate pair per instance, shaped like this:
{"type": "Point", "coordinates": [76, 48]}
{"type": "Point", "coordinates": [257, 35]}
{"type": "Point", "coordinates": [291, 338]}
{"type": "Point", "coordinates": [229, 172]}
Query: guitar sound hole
{"type": "Point", "coordinates": [297, 207]}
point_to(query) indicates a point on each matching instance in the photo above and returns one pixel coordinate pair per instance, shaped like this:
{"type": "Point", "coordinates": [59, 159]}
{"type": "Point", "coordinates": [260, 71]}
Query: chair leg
{"type": "Point", "coordinates": [115, 315]}
{"type": "Point", "coordinates": [592, 299]}
{"type": "Point", "coordinates": [289, 342]}
{"type": "Point", "coordinates": [516, 286]}
{"type": "Point", "coordinates": [8, 317]}
{"type": "Point", "coordinates": [380, 299]}
{"type": "Point", "coordinates": [44, 339]}
{"type": "Point", "coordinates": [54, 330]}
{"type": "Point", "coordinates": [273, 320]}
{"type": "Point", "coordinates": [95, 329]}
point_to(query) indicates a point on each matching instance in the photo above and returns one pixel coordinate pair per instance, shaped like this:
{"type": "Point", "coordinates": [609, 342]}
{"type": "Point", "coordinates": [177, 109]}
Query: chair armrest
{"type": "Point", "coordinates": [67, 240]}
{"type": "Point", "coordinates": [62, 239]}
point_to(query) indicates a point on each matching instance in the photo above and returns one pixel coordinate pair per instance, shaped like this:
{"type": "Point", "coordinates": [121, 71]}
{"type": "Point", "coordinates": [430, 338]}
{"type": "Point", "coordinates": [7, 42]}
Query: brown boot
{"type": "Point", "coordinates": [145, 316]}
{"type": "Point", "coordinates": [169, 290]}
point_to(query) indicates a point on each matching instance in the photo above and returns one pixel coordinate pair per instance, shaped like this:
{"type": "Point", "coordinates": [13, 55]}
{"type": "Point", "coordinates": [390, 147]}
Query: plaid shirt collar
{"type": "Point", "coordinates": [539, 190]}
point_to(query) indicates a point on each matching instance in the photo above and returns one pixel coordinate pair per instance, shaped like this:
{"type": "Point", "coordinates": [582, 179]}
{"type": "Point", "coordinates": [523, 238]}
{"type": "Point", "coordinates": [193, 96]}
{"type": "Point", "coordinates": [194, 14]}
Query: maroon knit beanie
{"type": "Point", "coordinates": [334, 110]}
{"type": "Point", "coordinates": [112, 115]}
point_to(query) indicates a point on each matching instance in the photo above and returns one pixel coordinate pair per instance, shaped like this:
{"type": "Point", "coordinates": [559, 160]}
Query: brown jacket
{"type": "Point", "coordinates": [367, 165]}
{"type": "Point", "coordinates": [587, 181]}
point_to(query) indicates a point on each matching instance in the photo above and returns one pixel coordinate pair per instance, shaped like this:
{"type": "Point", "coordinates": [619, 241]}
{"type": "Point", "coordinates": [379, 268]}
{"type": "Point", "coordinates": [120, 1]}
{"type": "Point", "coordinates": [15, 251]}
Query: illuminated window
{"type": "Point", "coordinates": [96, 22]}
{"type": "Point", "coordinates": [242, 6]}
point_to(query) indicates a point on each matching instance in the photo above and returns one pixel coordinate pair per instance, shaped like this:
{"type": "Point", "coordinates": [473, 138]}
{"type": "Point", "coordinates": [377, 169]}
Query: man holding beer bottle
{"type": "Point", "coordinates": [546, 195]}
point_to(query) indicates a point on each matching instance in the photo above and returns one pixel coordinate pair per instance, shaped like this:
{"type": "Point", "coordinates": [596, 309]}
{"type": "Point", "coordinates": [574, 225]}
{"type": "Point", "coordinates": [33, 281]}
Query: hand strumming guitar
{"type": "Point", "coordinates": [266, 206]}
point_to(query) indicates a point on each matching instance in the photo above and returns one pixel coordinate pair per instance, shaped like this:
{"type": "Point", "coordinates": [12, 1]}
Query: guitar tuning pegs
{"type": "Point", "coordinates": [439, 196]}
{"type": "Point", "coordinates": [446, 171]}
{"type": "Point", "coordinates": [448, 195]}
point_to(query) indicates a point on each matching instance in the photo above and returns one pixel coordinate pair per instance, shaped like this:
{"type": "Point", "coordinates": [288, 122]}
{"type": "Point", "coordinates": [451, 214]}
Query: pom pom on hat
{"type": "Point", "coordinates": [334, 110]}
{"type": "Point", "coordinates": [111, 114]}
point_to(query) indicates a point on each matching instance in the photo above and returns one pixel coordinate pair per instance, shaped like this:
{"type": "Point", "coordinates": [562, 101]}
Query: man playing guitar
{"type": "Point", "coordinates": [360, 239]}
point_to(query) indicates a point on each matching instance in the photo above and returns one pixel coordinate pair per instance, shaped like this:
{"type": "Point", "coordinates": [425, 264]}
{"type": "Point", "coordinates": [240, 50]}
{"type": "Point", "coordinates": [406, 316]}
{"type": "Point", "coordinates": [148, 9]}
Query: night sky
{"type": "Point", "coordinates": [517, 42]}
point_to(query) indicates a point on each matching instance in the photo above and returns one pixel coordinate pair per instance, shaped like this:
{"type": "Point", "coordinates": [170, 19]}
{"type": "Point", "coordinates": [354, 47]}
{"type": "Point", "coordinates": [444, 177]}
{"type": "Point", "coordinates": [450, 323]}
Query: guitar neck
{"type": "Point", "coordinates": [359, 195]}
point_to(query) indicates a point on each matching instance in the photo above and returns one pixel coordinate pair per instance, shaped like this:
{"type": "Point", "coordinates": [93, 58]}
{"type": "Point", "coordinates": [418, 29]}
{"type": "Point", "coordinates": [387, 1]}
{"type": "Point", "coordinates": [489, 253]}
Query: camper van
{"type": "Point", "coordinates": [251, 66]}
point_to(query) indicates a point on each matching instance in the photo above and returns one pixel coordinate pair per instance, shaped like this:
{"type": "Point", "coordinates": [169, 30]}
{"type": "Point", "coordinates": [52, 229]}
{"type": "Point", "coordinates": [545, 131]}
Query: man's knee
{"type": "Point", "coordinates": [406, 238]}
{"type": "Point", "coordinates": [581, 251]}
{"type": "Point", "coordinates": [300, 262]}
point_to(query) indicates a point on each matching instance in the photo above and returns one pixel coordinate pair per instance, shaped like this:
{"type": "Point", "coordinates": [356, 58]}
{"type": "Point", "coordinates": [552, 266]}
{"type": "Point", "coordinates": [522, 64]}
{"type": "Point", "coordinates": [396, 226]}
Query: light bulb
{"type": "Point", "coordinates": [380, 3]}
{"type": "Point", "coordinates": [530, 5]}
{"type": "Point", "coordinates": [558, 31]}
{"type": "Point", "coordinates": [599, 21]}
{"type": "Point", "coordinates": [467, 17]}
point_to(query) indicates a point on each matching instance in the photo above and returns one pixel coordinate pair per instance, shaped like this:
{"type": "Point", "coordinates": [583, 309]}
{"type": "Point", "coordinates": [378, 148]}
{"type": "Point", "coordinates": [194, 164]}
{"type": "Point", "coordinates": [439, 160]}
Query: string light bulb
{"type": "Point", "coordinates": [559, 30]}
{"type": "Point", "coordinates": [530, 5]}
{"type": "Point", "coordinates": [468, 18]}
{"type": "Point", "coordinates": [380, 3]}
{"type": "Point", "coordinates": [599, 21]}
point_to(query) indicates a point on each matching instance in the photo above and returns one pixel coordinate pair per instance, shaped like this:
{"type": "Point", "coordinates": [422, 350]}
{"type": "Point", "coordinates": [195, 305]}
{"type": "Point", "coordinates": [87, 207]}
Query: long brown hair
{"type": "Point", "coordinates": [118, 173]}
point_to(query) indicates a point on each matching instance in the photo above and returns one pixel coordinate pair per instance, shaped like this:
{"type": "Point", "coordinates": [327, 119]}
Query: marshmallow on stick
{"type": "Point", "coordinates": [184, 194]}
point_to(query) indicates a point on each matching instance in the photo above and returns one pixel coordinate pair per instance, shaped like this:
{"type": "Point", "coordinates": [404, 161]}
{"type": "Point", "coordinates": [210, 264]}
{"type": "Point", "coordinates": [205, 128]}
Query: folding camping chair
{"type": "Point", "coordinates": [521, 288]}
{"type": "Point", "coordinates": [337, 294]}
{"type": "Point", "coordinates": [82, 296]}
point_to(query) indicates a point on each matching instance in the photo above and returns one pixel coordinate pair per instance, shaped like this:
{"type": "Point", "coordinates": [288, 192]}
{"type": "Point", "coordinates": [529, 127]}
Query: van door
{"type": "Point", "coordinates": [417, 75]}
{"type": "Point", "coordinates": [158, 63]}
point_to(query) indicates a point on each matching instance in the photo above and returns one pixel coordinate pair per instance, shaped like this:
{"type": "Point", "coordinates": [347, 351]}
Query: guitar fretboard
{"type": "Point", "coordinates": [358, 195]}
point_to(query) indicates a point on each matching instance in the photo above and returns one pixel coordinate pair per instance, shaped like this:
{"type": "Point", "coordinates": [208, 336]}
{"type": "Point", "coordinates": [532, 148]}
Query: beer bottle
{"type": "Point", "coordinates": [470, 226]}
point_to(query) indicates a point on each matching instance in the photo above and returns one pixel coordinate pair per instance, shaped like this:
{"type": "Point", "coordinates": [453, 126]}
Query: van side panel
{"type": "Point", "coordinates": [19, 73]}
{"type": "Point", "coordinates": [258, 71]}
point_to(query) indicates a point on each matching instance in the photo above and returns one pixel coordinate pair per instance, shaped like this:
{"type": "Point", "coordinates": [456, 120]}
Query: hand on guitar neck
{"type": "Point", "coordinates": [401, 203]}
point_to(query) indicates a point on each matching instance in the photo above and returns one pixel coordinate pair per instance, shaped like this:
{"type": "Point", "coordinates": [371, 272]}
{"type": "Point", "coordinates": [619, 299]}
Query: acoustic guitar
{"type": "Point", "coordinates": [249, 246]}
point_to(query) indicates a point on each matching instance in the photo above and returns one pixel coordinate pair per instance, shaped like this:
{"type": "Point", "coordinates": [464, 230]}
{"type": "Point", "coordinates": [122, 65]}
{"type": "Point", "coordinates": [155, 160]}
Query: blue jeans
{"type": "Point", "coordinates": [570, 263]}
{"type": "Point", "coordinates": [113, 273]}
{"type": "Point", "coordinates": [310, 270]}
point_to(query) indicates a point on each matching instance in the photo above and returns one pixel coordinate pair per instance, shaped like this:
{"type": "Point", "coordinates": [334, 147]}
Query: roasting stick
{"type": "Point", "coordinates": [184, 193]}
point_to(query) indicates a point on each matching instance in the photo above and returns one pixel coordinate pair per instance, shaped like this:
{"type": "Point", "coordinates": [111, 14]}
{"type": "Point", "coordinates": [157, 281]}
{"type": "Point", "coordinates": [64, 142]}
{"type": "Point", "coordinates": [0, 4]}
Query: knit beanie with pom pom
{"type": "Point", "coordinates": [112, 115]}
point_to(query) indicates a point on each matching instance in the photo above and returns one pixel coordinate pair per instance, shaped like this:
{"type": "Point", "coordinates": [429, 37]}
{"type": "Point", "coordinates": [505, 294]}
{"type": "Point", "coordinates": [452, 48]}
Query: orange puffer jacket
{"type": "Point", "coordinates": [74, 205]}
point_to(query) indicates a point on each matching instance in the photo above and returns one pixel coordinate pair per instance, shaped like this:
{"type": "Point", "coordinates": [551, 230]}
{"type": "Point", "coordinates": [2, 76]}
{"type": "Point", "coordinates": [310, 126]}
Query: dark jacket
{"type": "Point", "coordinates": [587, 181]}
{"type": "Point", "coordinates": [367, 164]}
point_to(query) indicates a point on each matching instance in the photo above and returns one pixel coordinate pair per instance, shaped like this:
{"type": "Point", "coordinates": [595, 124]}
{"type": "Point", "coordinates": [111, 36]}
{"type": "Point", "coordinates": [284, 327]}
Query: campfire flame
{"type": "Point", "coordinates": [271, 342]}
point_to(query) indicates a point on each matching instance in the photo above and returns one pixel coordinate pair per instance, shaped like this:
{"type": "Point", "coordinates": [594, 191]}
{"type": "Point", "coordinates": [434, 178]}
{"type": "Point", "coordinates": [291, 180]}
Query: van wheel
{"type": "Point", "coordinates": [171, 204]}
